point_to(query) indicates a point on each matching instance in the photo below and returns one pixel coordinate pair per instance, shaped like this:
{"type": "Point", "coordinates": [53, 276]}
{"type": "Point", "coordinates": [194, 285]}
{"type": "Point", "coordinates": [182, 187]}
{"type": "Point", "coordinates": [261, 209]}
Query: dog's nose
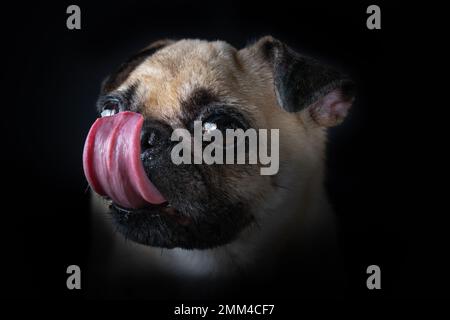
{"type": "Point", "coordinates": [154, 135]}
{"type": "Point", "coordinates": [150, 138]}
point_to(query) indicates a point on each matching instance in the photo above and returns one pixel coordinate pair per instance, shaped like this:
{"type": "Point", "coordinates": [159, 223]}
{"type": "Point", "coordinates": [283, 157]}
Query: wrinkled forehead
{"type": "Point", "coordinates": [163, 82]}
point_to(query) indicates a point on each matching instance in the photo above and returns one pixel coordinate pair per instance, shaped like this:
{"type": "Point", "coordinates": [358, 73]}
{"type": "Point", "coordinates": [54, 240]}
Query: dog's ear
{"type": "Point", "coordinates": [156, 45]}
{"type": "Point", "coordinates": [124, 70]}
{"type": "Point", "coordinates": [302, 83]}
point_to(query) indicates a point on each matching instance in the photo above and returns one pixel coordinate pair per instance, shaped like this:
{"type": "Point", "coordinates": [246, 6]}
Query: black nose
{"type": "Point", "coordinates": [150, 138]}
{"type": "Point", "coordinates": [154, 135]}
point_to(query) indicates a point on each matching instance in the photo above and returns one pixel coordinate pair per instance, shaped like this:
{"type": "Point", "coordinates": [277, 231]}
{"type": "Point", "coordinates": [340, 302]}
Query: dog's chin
{"type": "Point", "coordinates": [165, 227]}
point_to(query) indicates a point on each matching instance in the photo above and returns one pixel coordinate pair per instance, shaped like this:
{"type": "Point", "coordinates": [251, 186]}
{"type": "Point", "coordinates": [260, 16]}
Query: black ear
{"type": "Point", "coordinates": [304, 83]}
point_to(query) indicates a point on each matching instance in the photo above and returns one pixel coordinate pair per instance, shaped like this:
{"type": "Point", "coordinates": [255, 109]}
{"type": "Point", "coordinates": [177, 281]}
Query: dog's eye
{"type": "Point", "coordinates": [110, 107]}
{"type": "Point", "coordinates": [220, 122]}
{"type": "Point", "coordinates": [208, 127]}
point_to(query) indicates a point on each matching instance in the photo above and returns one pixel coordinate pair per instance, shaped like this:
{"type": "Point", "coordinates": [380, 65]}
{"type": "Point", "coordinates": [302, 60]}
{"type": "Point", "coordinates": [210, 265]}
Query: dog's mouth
{"type": "Point", "coordinates": [112, 162]}
{"type": "Point", "coordinates": [114, 170]}
{"type": "Point", "coordinates": [152, 211]}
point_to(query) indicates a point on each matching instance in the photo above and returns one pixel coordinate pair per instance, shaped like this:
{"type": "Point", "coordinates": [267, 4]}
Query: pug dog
{"type": "Point", "coordinates": [208, 226]}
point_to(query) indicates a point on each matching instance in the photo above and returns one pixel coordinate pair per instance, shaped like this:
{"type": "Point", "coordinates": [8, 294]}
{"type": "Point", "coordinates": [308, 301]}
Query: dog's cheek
{"type": "Point", "coordinates": [210, 194]}
{"type": "Point", "coordinates": [199, 190]}
{"type": "Point", "coordinates": [242, 182]}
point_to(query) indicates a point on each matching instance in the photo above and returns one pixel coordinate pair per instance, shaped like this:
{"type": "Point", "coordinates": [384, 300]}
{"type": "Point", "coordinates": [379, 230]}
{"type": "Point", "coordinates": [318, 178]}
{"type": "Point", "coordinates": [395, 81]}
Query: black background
{"type": "Point", "coordinates": [51, 77]}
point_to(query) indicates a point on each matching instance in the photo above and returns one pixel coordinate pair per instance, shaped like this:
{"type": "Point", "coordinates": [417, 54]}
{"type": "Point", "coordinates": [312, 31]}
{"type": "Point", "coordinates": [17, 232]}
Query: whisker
{"type": "Point", "coordinates": [280, 186]}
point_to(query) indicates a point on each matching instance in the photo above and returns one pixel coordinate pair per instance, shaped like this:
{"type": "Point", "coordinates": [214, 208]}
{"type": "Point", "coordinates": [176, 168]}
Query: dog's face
{"type": "Point", "coordinates": [263, 86]}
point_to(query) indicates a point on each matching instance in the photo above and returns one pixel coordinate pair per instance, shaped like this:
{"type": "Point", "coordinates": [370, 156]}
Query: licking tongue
{"type": "Point", "coordinates": [112, 162]}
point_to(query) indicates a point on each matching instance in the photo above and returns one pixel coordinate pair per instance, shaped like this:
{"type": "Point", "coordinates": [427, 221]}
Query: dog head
{"type": "Point", "coordinates": [171, 84]}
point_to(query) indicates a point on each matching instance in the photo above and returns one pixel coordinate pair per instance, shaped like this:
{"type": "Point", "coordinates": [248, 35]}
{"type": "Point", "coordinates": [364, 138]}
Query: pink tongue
{"type": "Point", "coordinates": [112, 163]}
